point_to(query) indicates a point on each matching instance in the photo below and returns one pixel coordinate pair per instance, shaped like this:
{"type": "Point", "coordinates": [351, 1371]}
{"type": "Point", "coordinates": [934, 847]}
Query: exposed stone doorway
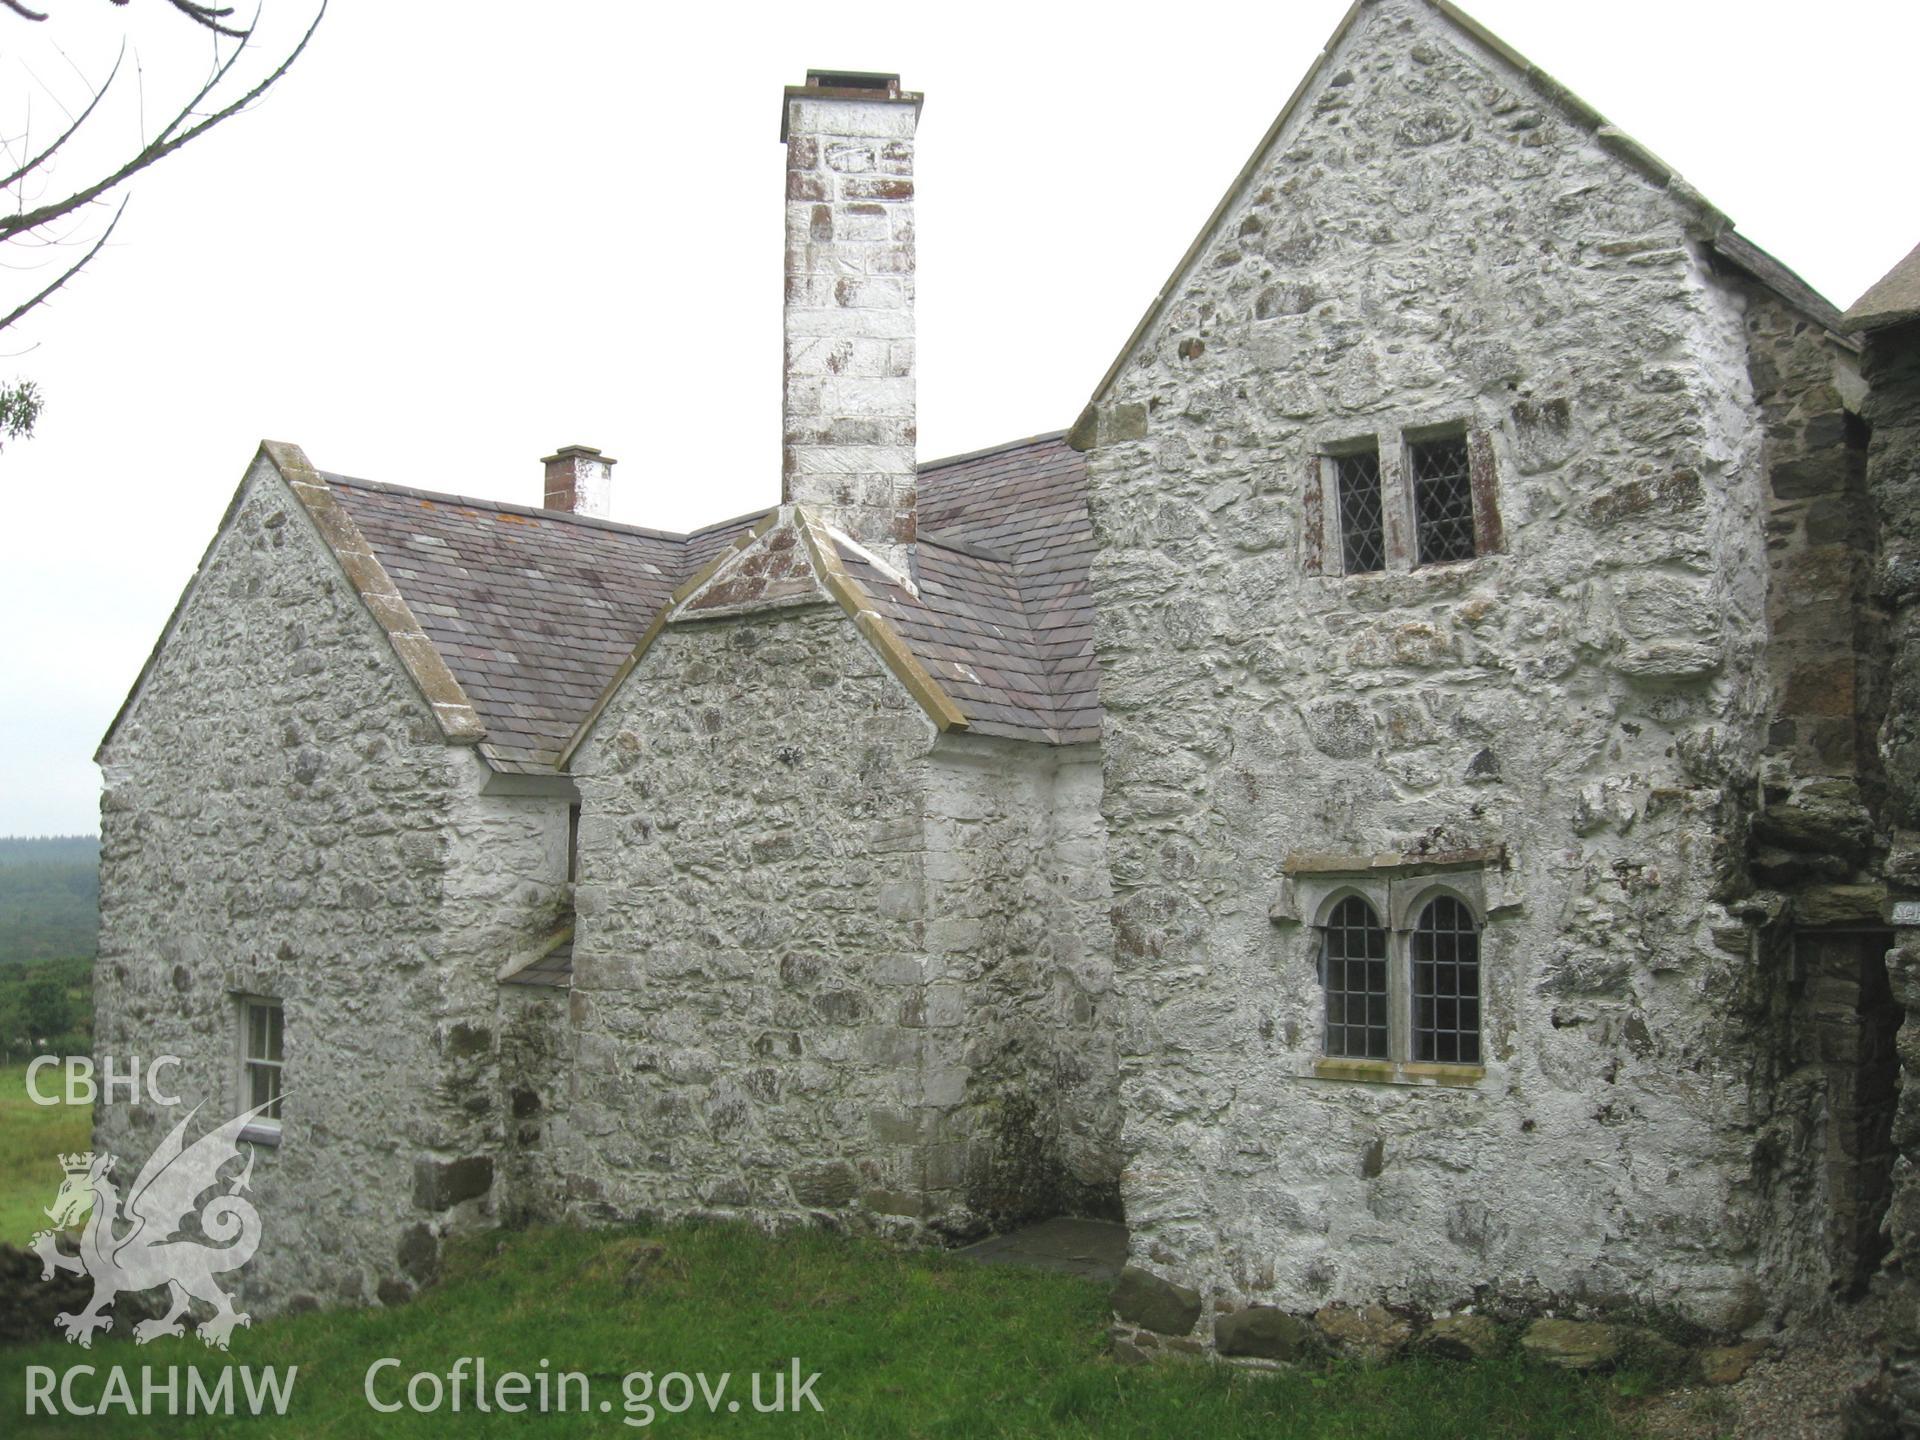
{"type": "Point", "coordinates": [1854, 1018]}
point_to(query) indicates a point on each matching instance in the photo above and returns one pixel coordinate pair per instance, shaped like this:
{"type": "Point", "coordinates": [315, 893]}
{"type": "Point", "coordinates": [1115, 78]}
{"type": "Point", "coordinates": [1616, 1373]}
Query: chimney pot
{"type": "Point", "coordinates": [579, 481]}
{"type": "Point", "coordinates": [866, 80]}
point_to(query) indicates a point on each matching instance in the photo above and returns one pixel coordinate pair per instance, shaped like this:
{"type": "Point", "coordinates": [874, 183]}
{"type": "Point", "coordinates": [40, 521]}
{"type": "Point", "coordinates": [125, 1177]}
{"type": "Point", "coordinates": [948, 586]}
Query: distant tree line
{"type": "Point", "coordinates": [49, 898]}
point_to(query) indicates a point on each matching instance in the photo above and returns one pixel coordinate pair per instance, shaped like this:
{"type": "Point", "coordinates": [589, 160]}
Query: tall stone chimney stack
{"type": "Point", "coordinates": [848, 404]}
{"type": "Point", "coordinates": [579, 481]}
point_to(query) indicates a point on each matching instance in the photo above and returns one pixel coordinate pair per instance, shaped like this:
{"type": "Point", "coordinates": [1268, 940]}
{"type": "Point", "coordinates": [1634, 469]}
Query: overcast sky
{"type": "Point", "coordinates": [441, 250]}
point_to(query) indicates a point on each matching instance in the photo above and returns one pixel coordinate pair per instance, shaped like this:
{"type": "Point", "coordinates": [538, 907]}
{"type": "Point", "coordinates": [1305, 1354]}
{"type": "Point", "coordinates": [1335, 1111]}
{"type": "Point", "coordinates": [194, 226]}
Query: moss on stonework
{"type": "Point", "coordinates": [1023, 1179]}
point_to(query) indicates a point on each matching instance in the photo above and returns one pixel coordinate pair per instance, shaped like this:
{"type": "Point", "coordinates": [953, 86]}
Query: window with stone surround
{"type": "Point", "coordinates": [1429, 499]}
{"type": "Point", "coordinates": [262, 1058]}
{"type": "Point", "coordinates": [1397, 945]}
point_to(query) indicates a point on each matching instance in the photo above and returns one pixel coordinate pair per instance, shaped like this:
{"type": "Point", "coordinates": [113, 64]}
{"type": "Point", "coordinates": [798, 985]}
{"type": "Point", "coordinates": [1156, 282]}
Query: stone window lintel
{"type": "Point", "coordinates": [1310, 878]}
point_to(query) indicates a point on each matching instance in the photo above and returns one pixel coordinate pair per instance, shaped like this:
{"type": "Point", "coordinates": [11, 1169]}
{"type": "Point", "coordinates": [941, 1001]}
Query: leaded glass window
{"type": "Point", "coordinates": [1446, 984]}
{"type": "Point", "coordinates": [1355, 960]}
{"type": "Point", "coordinates": [1442, 500]}
{"type": "Point", "coordinates": [1363, 545]}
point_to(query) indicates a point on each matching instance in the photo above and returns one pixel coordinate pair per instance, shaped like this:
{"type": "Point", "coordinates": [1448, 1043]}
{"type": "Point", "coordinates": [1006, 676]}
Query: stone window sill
{"type": "Point", "coordinates": [1390, 1072]}
{"type": "Point", "coordinates": [268, 1135]}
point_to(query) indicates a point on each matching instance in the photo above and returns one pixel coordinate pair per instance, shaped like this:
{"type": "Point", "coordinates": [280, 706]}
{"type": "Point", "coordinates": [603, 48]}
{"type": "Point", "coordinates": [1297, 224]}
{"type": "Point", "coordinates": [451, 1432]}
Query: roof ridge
{"type": "Point", "coordinates": [746, 517]}
{"type": "Point", "coordinates": [1001, 449]}
{"type": "Point", "coordinates": [596, 522]}
{"type": "Point", "coordinates": [535, 512]}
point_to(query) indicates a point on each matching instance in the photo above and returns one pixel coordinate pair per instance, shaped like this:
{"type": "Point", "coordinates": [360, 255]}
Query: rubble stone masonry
{"type": "Point", "coordinates": [848, 397]}
{"type": "Point", "coordinates": [826, 967]}
{"type": "Point", "coordinates": [282, 817]}
{"type": "Point", "coordinates": [1431, 246]}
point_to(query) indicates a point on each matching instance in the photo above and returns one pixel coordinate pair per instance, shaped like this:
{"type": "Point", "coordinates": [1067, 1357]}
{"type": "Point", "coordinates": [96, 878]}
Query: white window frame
{"type": "Point", "coordinates": [262, 1128]}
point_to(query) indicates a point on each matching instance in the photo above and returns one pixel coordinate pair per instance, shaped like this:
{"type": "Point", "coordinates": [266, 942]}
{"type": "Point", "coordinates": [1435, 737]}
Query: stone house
{"type": "Point", "coordinates": [1400, 802]}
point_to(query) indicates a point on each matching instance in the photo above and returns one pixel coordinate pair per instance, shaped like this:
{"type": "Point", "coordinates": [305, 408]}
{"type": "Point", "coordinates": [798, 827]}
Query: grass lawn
{"type": "Point", "coordinates": [906, 1345]}
{"type": "Point", "coordinates": [31, 1137]}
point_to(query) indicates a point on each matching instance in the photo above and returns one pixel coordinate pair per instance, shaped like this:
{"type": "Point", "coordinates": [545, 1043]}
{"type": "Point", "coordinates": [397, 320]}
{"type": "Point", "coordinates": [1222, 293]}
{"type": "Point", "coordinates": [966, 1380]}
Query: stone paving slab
{"type": "Point", "coordinates": [1094, 1249]}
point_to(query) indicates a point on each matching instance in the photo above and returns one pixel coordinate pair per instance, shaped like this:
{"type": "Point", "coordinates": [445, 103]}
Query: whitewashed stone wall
{"type": "Point", "coordinates": [827, 969]}
{"type": "Point", "coordinates": [282, 817]}
{"type": "Point", "coordinates": [749, 966]}
{"type": "Point", "coordinates": [1021, 981]}
{"type": "Point", "coordinates": [1430, 244]}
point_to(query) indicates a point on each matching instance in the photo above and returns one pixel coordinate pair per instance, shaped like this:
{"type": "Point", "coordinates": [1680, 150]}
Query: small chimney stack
{"type": "Point", "coordinates": [579, 481]}
{"type": "Point", "coordinates": [848, 389]}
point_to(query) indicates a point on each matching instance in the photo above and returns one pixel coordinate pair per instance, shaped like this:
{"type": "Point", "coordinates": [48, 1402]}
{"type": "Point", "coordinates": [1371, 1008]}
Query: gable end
{"type": "Point", "coordinates": [1706, 221]}
{"type": "Point", "coordinates": [424, 666]}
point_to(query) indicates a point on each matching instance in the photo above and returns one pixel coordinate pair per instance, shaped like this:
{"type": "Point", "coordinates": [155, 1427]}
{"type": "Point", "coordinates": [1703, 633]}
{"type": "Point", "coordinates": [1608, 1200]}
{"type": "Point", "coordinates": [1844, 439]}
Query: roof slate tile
{"type": "Point", "coordinates": [534, 611]}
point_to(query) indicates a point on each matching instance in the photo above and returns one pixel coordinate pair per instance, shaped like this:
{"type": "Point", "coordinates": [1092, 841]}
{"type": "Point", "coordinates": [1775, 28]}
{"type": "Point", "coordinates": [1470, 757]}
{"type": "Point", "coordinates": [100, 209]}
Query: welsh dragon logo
{"type": "Point", "coordinates": [136, 1244]}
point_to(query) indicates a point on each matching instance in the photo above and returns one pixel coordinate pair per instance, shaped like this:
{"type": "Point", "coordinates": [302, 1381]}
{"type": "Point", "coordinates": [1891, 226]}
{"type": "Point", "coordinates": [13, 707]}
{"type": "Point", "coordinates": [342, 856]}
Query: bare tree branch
{"type": "Point", "coordinates": [65, 135]}
{"type": "Point", "coordinates": [67, 274]}
{"type": "Point", "coordinates": [207, 15]}
{"type": "Point", "coordinates": [20, 401]}
{"type": "Point", "coordinates": [170, 138]}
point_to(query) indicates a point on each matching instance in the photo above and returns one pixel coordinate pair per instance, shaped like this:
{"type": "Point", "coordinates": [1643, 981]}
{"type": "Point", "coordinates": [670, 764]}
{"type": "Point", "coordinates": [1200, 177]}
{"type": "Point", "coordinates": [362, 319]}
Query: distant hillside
{"type": "Point", "coordinates": [49, 898]}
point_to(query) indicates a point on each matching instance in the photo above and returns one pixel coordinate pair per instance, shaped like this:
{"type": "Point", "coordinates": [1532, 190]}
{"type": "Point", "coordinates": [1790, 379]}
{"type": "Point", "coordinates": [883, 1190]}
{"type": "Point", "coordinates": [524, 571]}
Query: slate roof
{"type": "Point", "coordinates": [534, 611]}
{"type": "Point", "coordinates": [1004, 620]}
{"type": "Point", "coordinates": [1892, 298]}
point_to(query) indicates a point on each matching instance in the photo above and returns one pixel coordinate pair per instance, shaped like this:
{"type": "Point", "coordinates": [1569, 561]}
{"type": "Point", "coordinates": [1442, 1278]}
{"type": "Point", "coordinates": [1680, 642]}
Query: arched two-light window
{"type": "Point", "coordinates": [1392, 996]}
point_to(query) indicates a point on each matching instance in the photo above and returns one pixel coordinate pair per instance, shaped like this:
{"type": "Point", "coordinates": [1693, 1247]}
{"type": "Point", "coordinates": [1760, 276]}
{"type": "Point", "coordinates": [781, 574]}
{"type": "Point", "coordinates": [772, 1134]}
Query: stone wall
{"type": "Point", "coordinates": [827, 966]}
{"type": "Point", "coordinates": [282, 817]}
{"type": "Point", "coordinates": [536, 1079]}
{"type": "Point", "coordinates": [1020, 1000]}
{"type": "Point", "coordinates": [1817, 991]}
{"type": "Point", "coordinates": [1823, 645]}
{"type": "Point", "coordinates": [847, 413]}
{"type": "Point", "coordinates": [750, 972]}
{"type": "Point", "coordinates": [1891, 1405]}
{"type": "Point", "coordinates": [1895, 481]}
{"type": "Point", "coordinates": [1431, 243]}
